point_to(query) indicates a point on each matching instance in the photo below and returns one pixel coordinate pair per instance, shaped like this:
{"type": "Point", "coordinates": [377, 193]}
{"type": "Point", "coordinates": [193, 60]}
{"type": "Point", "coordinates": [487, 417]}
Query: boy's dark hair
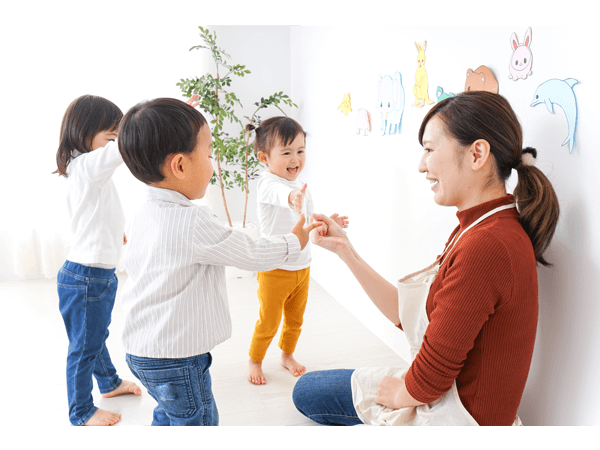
{"type": "Point", "coordinates": [85, 117]}
{"type": "Point", "coordinates": [153, 130]}
{"type": "Point", "coordinates": [279, 129]}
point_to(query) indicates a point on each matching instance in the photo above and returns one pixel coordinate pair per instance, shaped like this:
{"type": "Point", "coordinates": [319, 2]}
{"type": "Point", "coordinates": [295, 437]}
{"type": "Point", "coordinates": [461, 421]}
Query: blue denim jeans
{"type": "Point", "coordinates": [182, 388]}
{"type": "Point", "coordinates": [326, 397]}
{"type": "Point", "coordinates": [86, 299]}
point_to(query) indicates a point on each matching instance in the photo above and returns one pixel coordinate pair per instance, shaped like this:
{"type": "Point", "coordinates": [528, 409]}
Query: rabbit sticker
{"type": "Point", "coordinates": [521, 61]}
{"type": "Point", "coordinates": [421, 89]}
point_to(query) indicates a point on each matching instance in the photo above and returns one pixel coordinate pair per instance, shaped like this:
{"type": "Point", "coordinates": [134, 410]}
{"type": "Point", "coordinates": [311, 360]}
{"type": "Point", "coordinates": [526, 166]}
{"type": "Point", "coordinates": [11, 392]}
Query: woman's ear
{"type": "Point", "coordinates": [479, 153]}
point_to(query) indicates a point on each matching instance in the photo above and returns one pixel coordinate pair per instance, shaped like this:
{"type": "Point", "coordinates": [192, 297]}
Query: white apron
{"type": "Point", "coordinates": [413, 291]}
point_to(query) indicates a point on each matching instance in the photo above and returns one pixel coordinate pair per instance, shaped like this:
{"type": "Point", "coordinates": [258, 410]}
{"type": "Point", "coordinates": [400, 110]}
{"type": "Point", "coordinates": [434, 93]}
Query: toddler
{"type": "Point", "coordinates": [87, 157]}
{"type": "Point", "coordinates": [175, 300]}
{"type": "Point", "coordinates": [282, 197]}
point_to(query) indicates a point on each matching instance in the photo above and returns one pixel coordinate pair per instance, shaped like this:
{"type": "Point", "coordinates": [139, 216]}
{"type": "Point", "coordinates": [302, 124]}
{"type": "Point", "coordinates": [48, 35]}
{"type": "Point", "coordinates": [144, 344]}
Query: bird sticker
{"type": "Point", "coordinates": [561, 93]}
{"type": "Point", "coordinates": [345, 106]}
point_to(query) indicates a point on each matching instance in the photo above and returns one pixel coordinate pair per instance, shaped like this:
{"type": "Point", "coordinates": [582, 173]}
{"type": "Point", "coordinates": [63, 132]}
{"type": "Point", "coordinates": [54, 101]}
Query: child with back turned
{"type": "Point", "coordinates": [175, 300]}
{"type": "Point", "coordinates": [87, 285]}
{"type": "Point", "coordinates": [282, 197]}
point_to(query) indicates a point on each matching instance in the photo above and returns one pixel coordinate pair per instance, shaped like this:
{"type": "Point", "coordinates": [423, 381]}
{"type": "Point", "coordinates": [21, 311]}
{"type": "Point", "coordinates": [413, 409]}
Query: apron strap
{"type": "Point", "coordinates": [451, 245]}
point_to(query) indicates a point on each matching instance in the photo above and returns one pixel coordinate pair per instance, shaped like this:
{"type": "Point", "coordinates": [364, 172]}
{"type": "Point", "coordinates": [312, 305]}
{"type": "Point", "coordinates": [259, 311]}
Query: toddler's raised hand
{"type": "Point", "coordinates": [192, 101]}
{"type": "Point", "coordinates": [342, 221]}
{"type": "Point", "coordinates": [296, 199]}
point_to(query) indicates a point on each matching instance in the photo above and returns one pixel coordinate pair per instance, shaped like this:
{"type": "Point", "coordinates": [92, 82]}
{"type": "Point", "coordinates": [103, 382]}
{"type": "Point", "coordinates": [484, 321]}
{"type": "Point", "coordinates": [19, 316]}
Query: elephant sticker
{"type": "Point", "coordinates": [390, 103]}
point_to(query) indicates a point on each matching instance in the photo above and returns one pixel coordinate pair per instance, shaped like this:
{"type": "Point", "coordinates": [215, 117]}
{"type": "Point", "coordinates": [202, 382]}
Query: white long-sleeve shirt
{"type": "Point", "coordinates": [276, 216]}
{"type": "Point", "coordinates": [97, 219]}
{"type": "Point", "coordinates": [175, 299]}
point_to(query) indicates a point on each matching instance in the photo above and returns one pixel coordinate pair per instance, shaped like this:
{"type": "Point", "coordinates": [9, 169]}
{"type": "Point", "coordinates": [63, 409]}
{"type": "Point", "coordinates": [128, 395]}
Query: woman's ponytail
{"type": "Point", "coordinates": [537, 203]}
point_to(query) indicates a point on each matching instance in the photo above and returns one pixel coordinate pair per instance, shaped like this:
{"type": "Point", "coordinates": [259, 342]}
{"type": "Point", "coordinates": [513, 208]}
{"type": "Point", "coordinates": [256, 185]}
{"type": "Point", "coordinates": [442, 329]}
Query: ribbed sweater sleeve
{"type": "Point", "coordinates": [478, 276]}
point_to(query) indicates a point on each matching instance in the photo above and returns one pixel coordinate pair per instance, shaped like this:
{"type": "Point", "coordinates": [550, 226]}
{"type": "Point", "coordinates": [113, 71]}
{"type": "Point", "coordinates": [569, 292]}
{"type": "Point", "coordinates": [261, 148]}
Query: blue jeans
{"type": "Point", "coordinates": [86, 299]}
{"type": "Point", "coordinates": [182, 388]}
{"type": "Point", "coordinates": [326, 397]}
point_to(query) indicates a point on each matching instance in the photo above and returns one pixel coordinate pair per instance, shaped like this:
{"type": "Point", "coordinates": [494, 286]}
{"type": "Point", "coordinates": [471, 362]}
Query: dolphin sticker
{"type": "Point", "coordinates": [560, 92]}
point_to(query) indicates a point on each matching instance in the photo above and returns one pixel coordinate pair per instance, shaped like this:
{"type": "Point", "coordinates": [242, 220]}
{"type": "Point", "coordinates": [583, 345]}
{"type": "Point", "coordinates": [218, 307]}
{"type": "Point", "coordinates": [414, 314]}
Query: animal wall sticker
{"type": "Point", "coordinates": [390, 103]}
{"type": "Point", "coordinates": [345, 106]}
{"type": "Point", "coordinates": [481, 79]}
{"type": "Point", "coordinates": [561, 93]}
{"type": "Point", "coordinates": [521, 61]}
{"type": "Point", "coordinates": [362, 122]}
{"type": "Point", "coordinates": [441, 95]}
{"type": "Point", "coordinates": [421, 89]}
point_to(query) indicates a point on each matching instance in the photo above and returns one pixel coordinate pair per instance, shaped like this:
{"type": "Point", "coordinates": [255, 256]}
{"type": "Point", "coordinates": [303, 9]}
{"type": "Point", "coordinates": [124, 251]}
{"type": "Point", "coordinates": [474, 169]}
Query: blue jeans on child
{"type": "Point", "coordinates": [86, 299]}
{"type": "Point", "coordinates": [182, 388]}
{"type": "Point", "coordinates": [326, 397]}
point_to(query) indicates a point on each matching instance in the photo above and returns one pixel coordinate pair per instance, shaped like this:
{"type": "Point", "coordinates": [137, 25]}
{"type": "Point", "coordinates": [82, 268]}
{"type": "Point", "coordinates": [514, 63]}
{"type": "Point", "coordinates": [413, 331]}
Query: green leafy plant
{"type": "Point", "coordinates": [237, 162]}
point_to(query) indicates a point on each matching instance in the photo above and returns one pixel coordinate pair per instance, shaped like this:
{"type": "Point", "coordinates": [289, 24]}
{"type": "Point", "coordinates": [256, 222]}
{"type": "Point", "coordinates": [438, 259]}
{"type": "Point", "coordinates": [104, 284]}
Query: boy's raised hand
{"type": "Point", "coordinates": [302, 232]}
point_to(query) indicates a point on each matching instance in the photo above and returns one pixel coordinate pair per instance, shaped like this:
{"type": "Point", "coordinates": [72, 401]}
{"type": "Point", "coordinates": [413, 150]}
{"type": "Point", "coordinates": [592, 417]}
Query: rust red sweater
{"type": "Point", "coordinates": [482, 310]}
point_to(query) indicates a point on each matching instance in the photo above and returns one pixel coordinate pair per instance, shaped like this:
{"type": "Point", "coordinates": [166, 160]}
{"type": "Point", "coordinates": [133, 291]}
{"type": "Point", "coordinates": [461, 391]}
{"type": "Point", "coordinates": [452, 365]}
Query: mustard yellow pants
{"type": "Point", "coordinates": [280, 292]}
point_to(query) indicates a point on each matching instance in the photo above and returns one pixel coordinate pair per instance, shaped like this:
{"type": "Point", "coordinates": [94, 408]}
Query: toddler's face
{"type": "Point", "coordinates": [287, 162]}
{"type": "Point", "coordinates": [103, 138]}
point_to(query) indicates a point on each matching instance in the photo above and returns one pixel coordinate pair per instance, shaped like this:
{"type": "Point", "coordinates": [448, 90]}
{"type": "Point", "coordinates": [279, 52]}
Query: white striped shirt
{"type": "Point", "coordinates": [175, 299]}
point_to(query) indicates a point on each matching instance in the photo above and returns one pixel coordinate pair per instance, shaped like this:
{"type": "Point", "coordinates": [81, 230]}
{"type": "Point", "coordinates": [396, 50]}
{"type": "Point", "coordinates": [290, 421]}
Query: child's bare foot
{"type": "Point", "coordinates": [103, 418]}
{"type": "Point", "coordinates": [126, 387]}
{"type": "Point", "coordinates": [255, 373]}
{"type": "Point", "coordinates": [288, 361]}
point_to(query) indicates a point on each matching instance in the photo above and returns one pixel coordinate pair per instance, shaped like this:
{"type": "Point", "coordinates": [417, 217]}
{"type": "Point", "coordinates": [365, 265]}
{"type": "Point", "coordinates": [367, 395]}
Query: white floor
{"type": "Point", "coordinates": [34, 347]}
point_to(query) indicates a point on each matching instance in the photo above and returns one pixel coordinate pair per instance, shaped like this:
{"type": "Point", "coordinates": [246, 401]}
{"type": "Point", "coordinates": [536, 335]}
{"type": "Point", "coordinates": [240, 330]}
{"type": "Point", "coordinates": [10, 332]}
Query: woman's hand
{"type": "Point", "coordinates": [331, 237]}
{"type": "Point", "coordinates": [391, 392]}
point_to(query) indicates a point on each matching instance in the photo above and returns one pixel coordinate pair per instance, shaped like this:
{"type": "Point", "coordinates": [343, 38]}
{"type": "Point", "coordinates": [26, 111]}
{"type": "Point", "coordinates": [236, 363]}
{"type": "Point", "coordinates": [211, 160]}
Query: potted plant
{"type": "Point", "coordinates": [237, 163]}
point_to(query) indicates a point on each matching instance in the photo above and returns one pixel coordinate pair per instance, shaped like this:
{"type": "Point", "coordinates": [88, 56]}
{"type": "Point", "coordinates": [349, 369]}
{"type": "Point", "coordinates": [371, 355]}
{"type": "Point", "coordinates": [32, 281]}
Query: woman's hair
{"type": "Point", "coordinates": [155, 129]}
{"type": "Point", "coordinates": [474, 115]}
{"type": "Point", "coordinates": [280, 129]}
{"type": "Point", "coordinates": [85, 117]}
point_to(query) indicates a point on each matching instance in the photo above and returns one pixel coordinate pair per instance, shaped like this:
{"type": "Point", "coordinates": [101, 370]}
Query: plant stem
{"type": "Point", "coordinates": [219, 162]}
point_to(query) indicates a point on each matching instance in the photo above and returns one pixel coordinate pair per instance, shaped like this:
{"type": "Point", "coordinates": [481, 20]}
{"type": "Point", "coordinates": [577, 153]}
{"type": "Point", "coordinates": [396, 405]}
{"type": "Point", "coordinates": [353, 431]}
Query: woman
{"type": "Point", "coordinates": [470, 318]}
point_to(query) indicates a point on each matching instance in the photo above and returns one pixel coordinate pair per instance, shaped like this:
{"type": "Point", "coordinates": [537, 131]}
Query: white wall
{"type": "Point", "coordinates": [51, 65]}
{"type": "Point", "coordinates": [396, 226]}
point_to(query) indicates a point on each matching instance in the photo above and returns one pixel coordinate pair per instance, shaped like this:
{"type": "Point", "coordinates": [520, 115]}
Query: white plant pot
{"type": "Point", "coordinates": [251, 230]}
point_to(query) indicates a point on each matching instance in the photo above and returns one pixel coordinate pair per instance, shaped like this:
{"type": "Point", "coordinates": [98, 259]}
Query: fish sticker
{"type": "Point", "coordinates": [561, 93]}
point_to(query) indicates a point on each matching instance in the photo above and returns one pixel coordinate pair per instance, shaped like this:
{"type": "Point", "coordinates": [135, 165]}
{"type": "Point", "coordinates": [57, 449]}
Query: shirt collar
{"type": "Point", "coordinates": [468, 216]}
{"type": "Point", "coordinates": [167, 195]}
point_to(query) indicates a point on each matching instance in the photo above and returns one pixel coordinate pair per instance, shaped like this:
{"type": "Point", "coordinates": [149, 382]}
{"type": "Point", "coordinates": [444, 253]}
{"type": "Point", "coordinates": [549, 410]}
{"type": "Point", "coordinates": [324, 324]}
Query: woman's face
{"type": "Point", "coordinates": [443, 162]}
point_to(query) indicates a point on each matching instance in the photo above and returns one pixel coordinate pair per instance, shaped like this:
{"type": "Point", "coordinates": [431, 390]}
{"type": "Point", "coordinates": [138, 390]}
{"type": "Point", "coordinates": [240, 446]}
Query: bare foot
{"type": "Point", "coordinates": [255, 373]}
{"type": "Point", "coordinates": [103, 418]}
{"type": "Point", "coordinates": [126, 387]}
{"type": "Point", "coordinates": [288, 361]}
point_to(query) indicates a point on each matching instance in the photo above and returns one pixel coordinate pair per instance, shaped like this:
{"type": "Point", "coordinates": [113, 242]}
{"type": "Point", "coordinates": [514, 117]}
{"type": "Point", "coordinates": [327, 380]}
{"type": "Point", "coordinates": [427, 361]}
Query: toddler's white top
{"type": "Point", "coordinates": [276, 216]}
{"type": "Point", "coordinates": [97, 219]}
